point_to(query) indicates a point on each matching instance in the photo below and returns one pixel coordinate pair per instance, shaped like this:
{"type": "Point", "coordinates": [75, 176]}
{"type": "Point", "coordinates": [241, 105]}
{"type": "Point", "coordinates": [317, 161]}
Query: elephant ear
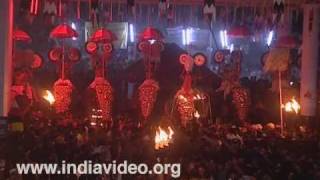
{"type": "Point", "coordinates": [143, 46]}
{"type": "Point", "coordinates": [91, 47]}
{"type": "Point", "coordinates": [107, 48]}
{"type": "Point", "coordinates": [55, 54]}
{"type": "Point", "coordinates": [37, 61]}
{"type": "Point", "coordinates": [74, 54]}
{"type": "Point", "coordinates": [187, 61]}
{"type": "Point", "coordinates": [23, 58]}
{"type": "Point", "coordinates": [183, 58]}
{"type": "Point", "coordinates": [199, 59]}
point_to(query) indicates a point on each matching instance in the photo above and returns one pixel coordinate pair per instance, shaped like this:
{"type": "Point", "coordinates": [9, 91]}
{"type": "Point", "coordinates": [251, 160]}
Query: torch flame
{"type": "Point", "coordinates": [292, 106]}
{"type": "Point", "coordinates": [162, 138]}
{"type": "Point", "coordinates": [197, 115]}
{"type": "Point", "coordinates": [49, 97]}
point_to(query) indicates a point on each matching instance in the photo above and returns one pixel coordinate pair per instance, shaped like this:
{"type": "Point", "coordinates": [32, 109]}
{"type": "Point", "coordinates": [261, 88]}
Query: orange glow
{"type": "Point", "coordinates": [197, 115]}
{"type": "Point", "coordinates": [162, 138]}
{"type": "Point", "coordinates": [49, 97]}
{"type": "Point", "coordinates": [292, 106]}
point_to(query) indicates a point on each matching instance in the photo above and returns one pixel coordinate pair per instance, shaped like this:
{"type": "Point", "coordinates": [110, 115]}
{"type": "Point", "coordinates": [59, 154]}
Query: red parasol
{"type": "Point", "coordinates": [287, 42]}
{"type": "Point", "coordinates": [150, 33]}
{"type": "Point", "coordinates": [103, 35]}
{"type": "Point", "coordinates": [19, 35]}
{"type": "Point", "coordinates": [63, 31]}
{"type": "Point", "coordinates": [239, 32]}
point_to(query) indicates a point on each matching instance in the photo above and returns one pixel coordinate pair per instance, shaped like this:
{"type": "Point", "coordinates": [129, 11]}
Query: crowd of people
{"type": "Point", "coordinates": [211, 152]}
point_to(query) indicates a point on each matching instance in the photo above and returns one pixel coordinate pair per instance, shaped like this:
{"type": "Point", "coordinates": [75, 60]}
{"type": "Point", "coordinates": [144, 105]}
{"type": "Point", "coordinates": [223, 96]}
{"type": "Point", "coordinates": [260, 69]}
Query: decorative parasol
{"type": "Point", "coordinates": [103, 35]}
{"type": "Point", "coordinates": [239, 32]}
{"type": "Point", "coordinates": [19, 35]}
{"type": "Point", "coordinates": [287, 42]}
{"type": "Point", "coordinates": [150, 33]}
{"type": "Point", "coordinates": [277, 60]}
{"type": "Point", "coordinates": [63, 31]}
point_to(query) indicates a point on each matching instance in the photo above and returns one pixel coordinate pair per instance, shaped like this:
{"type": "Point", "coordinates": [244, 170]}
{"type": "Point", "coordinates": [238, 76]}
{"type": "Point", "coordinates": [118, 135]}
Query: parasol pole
{"type": "Point", "coordinates": [280, 100]}
{"type": "Point", "coordinates": [78, 10]}
{"type": "Point", "coordinates": [111, 11]}
{"type": "Point", "coordinates": [62, 62]}
{"type": "Point", "coordinates": [103, 67]}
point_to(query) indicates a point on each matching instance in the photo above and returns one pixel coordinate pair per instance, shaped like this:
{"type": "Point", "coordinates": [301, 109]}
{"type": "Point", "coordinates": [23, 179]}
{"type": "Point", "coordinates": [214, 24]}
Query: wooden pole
{"type": "Point", "coordinates": [6, 40]}
{"type": "Point", "coordinates": [281, 103]}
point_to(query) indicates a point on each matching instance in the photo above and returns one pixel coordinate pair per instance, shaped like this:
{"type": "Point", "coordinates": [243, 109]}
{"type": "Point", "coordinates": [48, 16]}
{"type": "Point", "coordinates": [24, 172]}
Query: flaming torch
{"type": "Point", "coordinates": [163, 138]}
{"type": "Point", "coordinates": [292, 106]}
{"type": "Point", "coordinates": [48, 96]}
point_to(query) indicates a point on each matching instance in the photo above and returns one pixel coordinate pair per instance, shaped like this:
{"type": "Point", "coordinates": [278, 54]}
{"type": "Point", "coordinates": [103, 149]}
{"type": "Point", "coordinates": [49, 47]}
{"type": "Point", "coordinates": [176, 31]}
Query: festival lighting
{"type": "Point", "coordinates": [224, 39]}
{"type": "Point", "coordinates": [270, 38]}
{"type": "Point", "coordinates": [131, 31]}
{"type": "Point", "coordinates": [73, 25]}
{"type": "Point", "coordinates": [231, 48]}
{"type": "Point", "coordinates": [187, 36]}
{"type": "Point", "coordinates": [184, 39]}
{"type": "Point", "coordinates": [152, 41]}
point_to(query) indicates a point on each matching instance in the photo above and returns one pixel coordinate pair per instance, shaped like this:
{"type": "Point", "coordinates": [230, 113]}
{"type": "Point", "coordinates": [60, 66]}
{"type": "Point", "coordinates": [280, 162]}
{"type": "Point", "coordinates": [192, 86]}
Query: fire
{"type": "Point", "coordinates": [183, 98]}
{"type": "Point", "coordinates": [163, 138]}
{"type": "Point", "coordinates": [197, 115]}
{"type": "Point", "coordinates": [199, 97]}
{"type": "Point", "coordinates": [292, 106]}
{"type": "Point", "coordinates": [49, 97]}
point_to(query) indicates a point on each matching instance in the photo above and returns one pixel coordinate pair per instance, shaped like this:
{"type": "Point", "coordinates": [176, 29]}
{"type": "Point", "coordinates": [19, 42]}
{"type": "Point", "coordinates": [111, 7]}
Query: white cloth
{"type": "Point", "coordinates": [278, 1]}
{"type": "Point", "coordinates": [209, 9]}
{"type": "Point", "coordinates": [50, 7]}
{"type": "Point", "coordinates": [162, 6]}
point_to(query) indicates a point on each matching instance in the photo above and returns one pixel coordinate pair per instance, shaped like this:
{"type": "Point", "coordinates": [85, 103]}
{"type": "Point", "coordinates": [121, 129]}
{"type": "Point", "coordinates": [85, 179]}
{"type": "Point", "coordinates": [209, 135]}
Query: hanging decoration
{"type": "Point", "coordinates": [241, 100]}
{"type": "Point", "coordinates": [278, 11]}
{"type": "Point", "coordinates": [27, 9]}
{"type": "Point", "coordinates": [151, 45]}
{"type": "Point", "coordinates": [101, 42]}
{"type": "Point", "coordinates": [63, 56]}
{"type": "Point", "coordinates": [209, 10]}
{"type": "Point", "coordinates": [148, 91]}
{"type": "Point", "coordinates": [184, 98]}
{"type": "Point", "coordinates": [104, 94]}
{"type": "Point", "coordinates": [162, 8]}
{"type": "Point", "coordinates": [132, 8]}
{"type": "Point", "coordinates": [62, 89]}
{"type": "Point", "coordinates": [34, 7]}
{"type": "Point", "coordinates": [94, 12]}
{"type": "Point", "coordinates": [50, 11]}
